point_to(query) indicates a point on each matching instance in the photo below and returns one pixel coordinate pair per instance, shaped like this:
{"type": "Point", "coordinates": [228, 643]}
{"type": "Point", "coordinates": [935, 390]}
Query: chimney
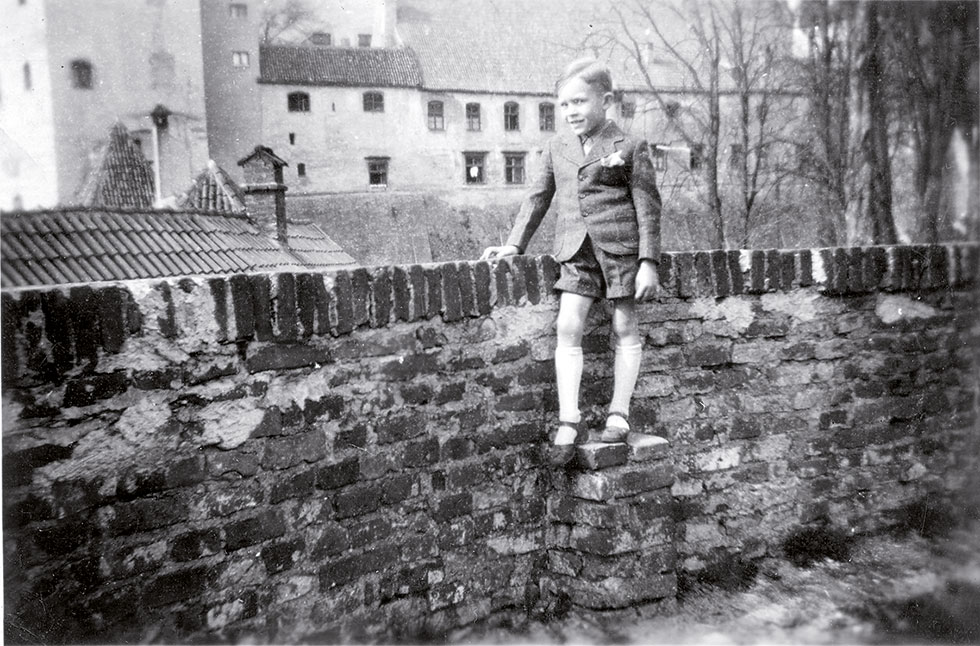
{"type": "Point", "coordinates": [389, 23]}
{"type": "Point", "coordinates": [265, 194]}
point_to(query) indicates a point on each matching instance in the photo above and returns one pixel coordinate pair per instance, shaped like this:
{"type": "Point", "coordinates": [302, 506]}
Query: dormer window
{"type": "Point", "coordinates": [321, 38]}
{"type": "Point", "coordinates": [298, 102]}
{"type": "Point", "coordinates": [81, 74]}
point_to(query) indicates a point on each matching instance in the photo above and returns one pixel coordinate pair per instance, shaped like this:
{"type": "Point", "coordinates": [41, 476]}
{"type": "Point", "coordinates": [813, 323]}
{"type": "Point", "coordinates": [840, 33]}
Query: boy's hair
{"type": "Point", "coordinates": [589, 70]}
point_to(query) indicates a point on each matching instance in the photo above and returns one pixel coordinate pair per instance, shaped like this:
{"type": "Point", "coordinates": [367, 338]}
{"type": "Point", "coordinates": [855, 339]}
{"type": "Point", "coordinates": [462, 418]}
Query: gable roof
{"type": "Point", "coordinates": [344, 66]}
{"type": "Point", "coordinates": [75, 245]}
{"type": "Point", "coordinates": [119, 176]}
{"type": "Point", "coordinates": [212, 191]}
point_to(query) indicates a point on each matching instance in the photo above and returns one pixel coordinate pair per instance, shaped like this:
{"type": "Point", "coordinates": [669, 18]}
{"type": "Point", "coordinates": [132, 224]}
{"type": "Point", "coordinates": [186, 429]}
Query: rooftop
{"type": "Point", "coordinates": [119, 175]}
{"type": "Point", "coordinates": [364, 66]}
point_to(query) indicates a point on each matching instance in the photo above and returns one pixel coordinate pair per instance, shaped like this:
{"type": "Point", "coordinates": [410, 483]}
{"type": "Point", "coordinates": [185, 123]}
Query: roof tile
{"type": "Point", "coordinates": [362, 66]}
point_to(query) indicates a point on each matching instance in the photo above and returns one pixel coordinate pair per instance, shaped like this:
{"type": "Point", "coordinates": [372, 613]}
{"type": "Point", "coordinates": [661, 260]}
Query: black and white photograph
{"type": "Point", "coordinates": [490, 321]}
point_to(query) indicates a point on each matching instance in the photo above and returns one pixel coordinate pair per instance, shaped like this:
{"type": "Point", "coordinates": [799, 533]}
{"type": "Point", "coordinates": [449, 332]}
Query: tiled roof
{"type": "Point", "coordinates": [362, 66]}
{"type": "Point", "coordinates": [119, 175]}
{"type": "Point", "coordinates": [89, 245]}
{"type": "Point", "coordinates": [212, 191]}
{"type": "Point", "coordinates": [516, 46]}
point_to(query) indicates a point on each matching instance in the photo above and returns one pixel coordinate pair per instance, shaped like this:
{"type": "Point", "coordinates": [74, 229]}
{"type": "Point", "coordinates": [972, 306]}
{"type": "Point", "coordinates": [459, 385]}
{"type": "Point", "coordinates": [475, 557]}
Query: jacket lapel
{"type": "Point", "coordinates": [571, 149]}
{"type": "Point", "coordinates": [605, 143]}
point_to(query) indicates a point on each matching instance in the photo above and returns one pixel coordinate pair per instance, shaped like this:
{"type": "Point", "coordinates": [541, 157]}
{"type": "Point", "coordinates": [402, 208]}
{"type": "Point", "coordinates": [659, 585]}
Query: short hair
{"type": "Point", "coordinates": [589, 70]}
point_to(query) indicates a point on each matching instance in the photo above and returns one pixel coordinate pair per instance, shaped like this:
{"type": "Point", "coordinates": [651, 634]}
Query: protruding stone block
{"type": "Point", "coordinates": [643, 447]}
{"type": "Point", "coordinates": [600, 455]}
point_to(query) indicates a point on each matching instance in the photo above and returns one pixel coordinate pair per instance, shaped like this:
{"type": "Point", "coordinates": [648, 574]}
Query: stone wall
{"type": "Point", "coordinates": [357, 457]}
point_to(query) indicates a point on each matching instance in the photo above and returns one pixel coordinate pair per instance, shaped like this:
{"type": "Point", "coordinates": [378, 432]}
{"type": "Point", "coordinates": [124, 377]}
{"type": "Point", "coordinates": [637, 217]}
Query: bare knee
{"type": "Point", "coordinates": [625, 324]}
{"type": "Point", "coordinates": [570, 328]}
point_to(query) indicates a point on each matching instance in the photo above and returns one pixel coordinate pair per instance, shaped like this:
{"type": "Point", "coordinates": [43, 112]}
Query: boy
{"type": "Point", "coordinates": [607, 240]}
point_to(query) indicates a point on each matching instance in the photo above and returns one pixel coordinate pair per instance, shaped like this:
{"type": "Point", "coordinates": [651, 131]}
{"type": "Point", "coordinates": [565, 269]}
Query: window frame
{"type": "Point", "coordinates": [238, 10]}
{"type": "Point", "coordinates": [241, 58]}
{"type": "Point", "coordinates": [627, 108]}
{"type": "Point", "coordinates": [436, 122]}
{"type": "Point", "coordinates": [82, 74]}
{"type": "Point", "coordinates": [376, 100]}
{"type": "Point", "coordinates": [300, 169]}
{"type": "Point", "coordinates": [379, 171]}
{"type": "Point", "coordinates": [28, 77]}
{"type": "Point", "coordinates": [364, 40]}
{"type": "Point", "coordinates": [546, 116]}
{"type": "Point", "coordinates": [479, 160]}
{"type": "Point", "coordinates": [471, 118]}
{"type": "Point", "coordinates": [510, 166]}
{"type": "Point", "coordinates": [321, 39]}
{"type": "Point", "coordinates": [298, 101]}
{"type": "Point", "coordinates": [658, 158]}
{"type": "Point", "coordinates": [512, 116]}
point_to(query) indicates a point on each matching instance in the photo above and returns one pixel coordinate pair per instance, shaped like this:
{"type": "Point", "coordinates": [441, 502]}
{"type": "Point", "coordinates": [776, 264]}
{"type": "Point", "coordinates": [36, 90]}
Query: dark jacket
{"type": "Point", "coordinates": [618, 206]}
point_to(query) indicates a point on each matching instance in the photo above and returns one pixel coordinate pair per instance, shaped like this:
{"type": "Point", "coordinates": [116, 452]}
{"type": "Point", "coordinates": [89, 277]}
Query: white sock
{"type": "Point", "coordinates": [568, 378]}
{"type": "Point", "coordinates": [625, 371]}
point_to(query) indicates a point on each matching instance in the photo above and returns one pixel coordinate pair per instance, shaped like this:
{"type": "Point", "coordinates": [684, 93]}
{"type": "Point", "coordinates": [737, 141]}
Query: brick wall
{"type": "Point", "coordinates": [358, 456]}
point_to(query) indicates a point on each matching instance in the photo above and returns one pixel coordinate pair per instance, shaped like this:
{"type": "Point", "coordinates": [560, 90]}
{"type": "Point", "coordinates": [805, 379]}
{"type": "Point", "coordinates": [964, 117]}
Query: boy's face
{"type": "Point", "coordinates": [583, 107]}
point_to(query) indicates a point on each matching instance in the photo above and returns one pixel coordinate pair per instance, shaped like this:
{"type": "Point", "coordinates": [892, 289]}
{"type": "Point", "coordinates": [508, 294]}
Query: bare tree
{"type": "Point", "coordinates": [281, 16]}
{"type": "Point", "coordinates": [727, 53]}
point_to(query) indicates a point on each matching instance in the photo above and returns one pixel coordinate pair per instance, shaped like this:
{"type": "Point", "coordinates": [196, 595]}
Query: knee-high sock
{"type": "Point", "coordinates": [626, 369]}
{"type": "Point", "coordinates": [568, 378]}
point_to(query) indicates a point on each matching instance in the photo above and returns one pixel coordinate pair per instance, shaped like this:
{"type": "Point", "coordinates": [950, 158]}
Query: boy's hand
{"type": "Point", "coordinates": [647, 281]}
{"type": "Point", "coordinates": [499, 252]}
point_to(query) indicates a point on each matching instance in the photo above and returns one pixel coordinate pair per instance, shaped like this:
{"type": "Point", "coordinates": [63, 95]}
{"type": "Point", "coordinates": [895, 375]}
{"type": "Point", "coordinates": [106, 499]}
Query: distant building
{"type": "Point", "coordinates": [215, 227]}
{"type": "Point", "coordinates": [69, 70]}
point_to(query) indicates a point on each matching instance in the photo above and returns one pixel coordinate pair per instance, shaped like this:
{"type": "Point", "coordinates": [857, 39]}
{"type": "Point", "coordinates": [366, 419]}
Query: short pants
{"type": "Point", "coordinates": [593, 272]}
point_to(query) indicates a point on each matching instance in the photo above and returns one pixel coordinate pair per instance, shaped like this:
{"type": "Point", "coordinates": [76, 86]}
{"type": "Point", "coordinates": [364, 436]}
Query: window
{"type": "Point", "coordinates": [473, 117]}
{"type": "Point", "coordinates": [377, 171]}
{"type": "Point", "coordinates": [28, 84]}
{"type": "Point", "coordinates": [321, 38]}
{"type": "Point", "coordinates": [671, 108]}
{"type": "Point", "coordinates": [627, 109]}
{"type": "Point", "coordinates": [697, 156]}
{"type": "Point", "coordinates": [292, 138]}
{"type": "Point", "coordinates": [238, 10]}
{"type": "Point", "coordinates": [546, 116]}
{"type": "Point", "coordinates": [298, 102]}
{"type": "Point", "coordinates": [239, 59]}
{"type": "Point", "coordinates": [659, 158]}
{"type": "Point", "coordinates": [512, 116]}
{"type": "Point", "coordinates": [514, 168]}
{"type": "Point", "coordinates": [364, 40]}
{"type": "Point", "coordinates": [475, 163]}
{"type": "Point", "coordinates": [436, 120]}
{"type": "Point", "coordinates": [301, 169]}
{"type": "Point", "coordinates": [81, 74]}
{"type": "Point", "coordinates": [374, 102]}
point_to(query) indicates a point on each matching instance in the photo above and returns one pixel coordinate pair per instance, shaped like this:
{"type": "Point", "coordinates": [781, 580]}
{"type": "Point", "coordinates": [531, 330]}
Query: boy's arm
{"type": "Point", "coordinates": [534, 206]}
{"type": "Point", "coordinates": [646, 201]}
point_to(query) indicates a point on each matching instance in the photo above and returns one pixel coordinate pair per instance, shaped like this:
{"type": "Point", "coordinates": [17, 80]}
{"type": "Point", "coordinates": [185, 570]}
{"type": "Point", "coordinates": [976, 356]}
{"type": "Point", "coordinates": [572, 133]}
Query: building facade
{"type": "Point", "coordinates": [70, 70]}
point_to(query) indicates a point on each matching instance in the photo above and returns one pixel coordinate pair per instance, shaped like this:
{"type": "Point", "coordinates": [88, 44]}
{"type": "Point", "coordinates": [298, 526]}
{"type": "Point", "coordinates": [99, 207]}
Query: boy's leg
{"type": "Point", "coordinates": [573, 309]}
{"type": "Point", "coordinates": [626, 366]}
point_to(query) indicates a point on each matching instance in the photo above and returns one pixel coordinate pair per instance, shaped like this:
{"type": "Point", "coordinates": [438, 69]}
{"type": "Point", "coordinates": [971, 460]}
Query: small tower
{"type": "Point", "coordinates": [265, 194]}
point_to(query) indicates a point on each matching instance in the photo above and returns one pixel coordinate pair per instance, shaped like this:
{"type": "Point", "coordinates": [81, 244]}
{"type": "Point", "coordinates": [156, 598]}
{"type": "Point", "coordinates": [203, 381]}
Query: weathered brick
{"type": "Point", "coordinates": [400, 426]}
{"type": "Point", "coordinates": [306, 305]}
{"type": "Point", "coordinates": [343, 293]}
{"type": "Point", "coordinates": [452, 309]}
{"type": "Point", "coordinates": [334, 476]}
{"type": "Point", "coordinates": [261, 289]}
{"type": "Point", "coordinates": [433, 291]}
{"type": "Point", "coordinates": [401, 292]}
{"type": "Point", "coordinates": [286, 357]}
{"type": "Point", "coordinates": [481, 287]}
{"type": "Point", "coordinates": [518, 286]}
{"type": "Point", "coordinates": [410, 366]}
{"type": "Point", "coordinates": [110, 301]}
{"type": "Point", "coordinates": [456, 448]}
{"type": "Point", "coordinates": [453, 392]}
{"type": "Point", "coordinates": [467, 290]}
{"type": "Point", "coordinates": [242, 304]}
{"type": "Point", "coordinates": [806, 267]}
{"type": "Point", "coordinates": [63, 536]}
{"type": "Point", "coordinates": [285, 452]}
{"type": "Point", "coordinates": [774, 267]}
{"type": "Point", "coordinates": [532, 279]}
{"type": "Point", "coordinates": [757, 273]}
{"type": "Point", "coordinates": [397, 488]}
{"type": "Point", "coordinates": [735, 271]}
{"type": "Point", "coordinates": [18, 467]}
{"type": "Point", "coordinates": [511, 353]}
{"type": "Point", "coordinates": [549, 273]}
{"type": "Point", "coordinates": [279, 557]}
{"type": "Point", "coordinates": [422, 453]}
{"type": "Point", "coordinates": [358, 500]}
{"type": "Point", "coordinates": [719, 270]}
{"type": "Point", "coordinates": [85, 391]}
{"type": "Point", "coordinates": [704, 274]}
{"type": "Point", "coordinates": [381, 301]}
{"type": "Point", "coordinates": [502, 280]}
{"type": "Point", "coordinates": [622, 482]}
{"type": "Point", "coordinates": [345, 570]}
{"type": "Point", "coordinates": [195, 544]}
{"type": "Point", "coordinates": [685, 272]}
{"type": "Point", "coordinates": [416, 276]}
{"type": "Point", "coordinates": [333, 539]}
{"type": "Point", "coordinates": [360, 296]}
{"type": "Point", "coordinates": [300, 485]}
{"type": "Point", "coordinates": [709, 354]}
{"type": "Point", "coordinates": [182, 585]}
{"type": "Point", "coordinates": [599, 455]}
{"type": "Point", "coordinates": [449, 507]}
{"type": "Point", "coordinates": [370, 531]}
{"type": "Point", "coordinates": [253, 530]}
{"type": "Point", "coordinates": [644, 447]}
{"type": "Point", "coordinates": [286, 310]}
{"type": "Point", "coordinates": [518, 402]}
{"type": "Point", "coordinates": [166, 323]}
